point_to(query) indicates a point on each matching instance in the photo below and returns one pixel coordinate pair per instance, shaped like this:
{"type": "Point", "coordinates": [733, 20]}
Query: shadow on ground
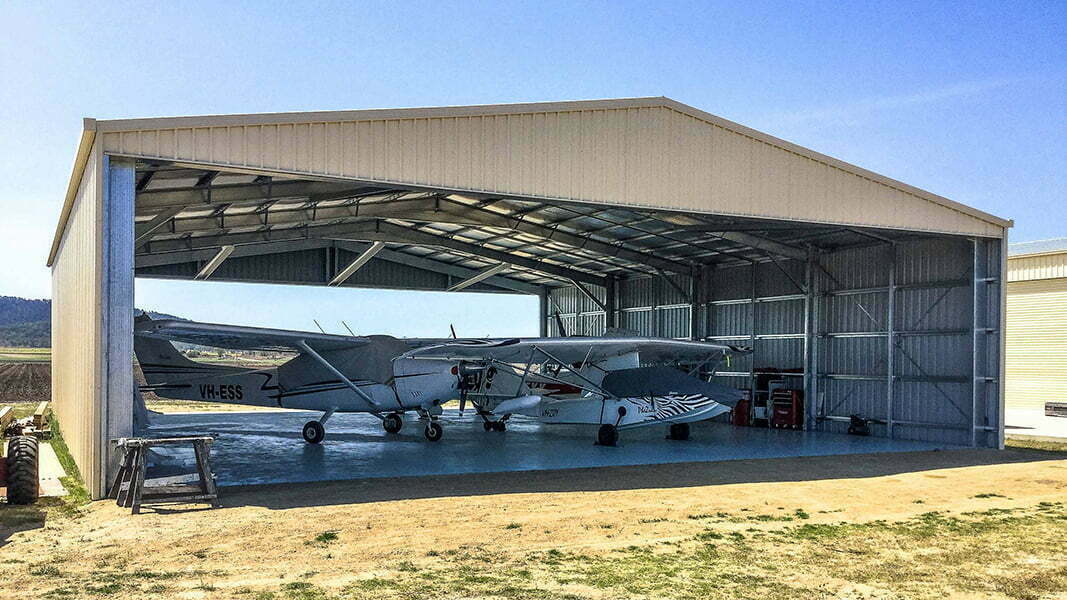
{"type": "Point", "coordinates": [673, 475]}
{"type": "Point", "coordinates": [14, 519]}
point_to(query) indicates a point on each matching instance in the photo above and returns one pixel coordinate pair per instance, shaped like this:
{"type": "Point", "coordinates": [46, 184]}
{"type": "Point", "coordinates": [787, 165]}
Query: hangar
{"type": "Point", "coordinates": [881, 299]}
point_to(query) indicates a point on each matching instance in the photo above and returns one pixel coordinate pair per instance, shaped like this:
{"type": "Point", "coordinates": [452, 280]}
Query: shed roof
{"type": "Point", "coordinates": [1055, 245]}
{"type": "Point", "coordinates": [640, 153]}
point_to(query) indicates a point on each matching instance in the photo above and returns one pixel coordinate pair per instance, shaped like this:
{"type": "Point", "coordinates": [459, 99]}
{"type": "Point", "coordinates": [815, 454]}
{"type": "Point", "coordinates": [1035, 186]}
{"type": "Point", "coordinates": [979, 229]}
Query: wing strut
{"type": "Point", "coordinates": [306, 348]}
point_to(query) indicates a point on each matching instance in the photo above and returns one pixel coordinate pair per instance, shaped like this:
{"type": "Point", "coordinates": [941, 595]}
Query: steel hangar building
{"type": "Point", "coordinates": [881, 299]}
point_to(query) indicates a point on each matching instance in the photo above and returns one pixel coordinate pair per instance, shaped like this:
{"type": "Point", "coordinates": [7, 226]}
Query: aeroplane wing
{"type": "Point", "coordinates": [238, 337]}
{"type": "Point", "coordinates": [572, 349]}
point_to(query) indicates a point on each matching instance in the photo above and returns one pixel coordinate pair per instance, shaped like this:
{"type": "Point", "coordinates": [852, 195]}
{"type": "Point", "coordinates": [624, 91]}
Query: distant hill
{"type": "Point", "coordinates": [28, 323]}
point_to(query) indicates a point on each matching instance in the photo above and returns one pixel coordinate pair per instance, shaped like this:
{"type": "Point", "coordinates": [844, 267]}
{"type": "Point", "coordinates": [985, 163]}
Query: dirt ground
{"type": "Point", "coordinates": [959, 524]}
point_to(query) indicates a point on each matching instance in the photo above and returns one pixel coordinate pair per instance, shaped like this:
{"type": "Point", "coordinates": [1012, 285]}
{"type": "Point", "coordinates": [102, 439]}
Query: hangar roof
{"type": "Point", "coordinates": [563, 191]}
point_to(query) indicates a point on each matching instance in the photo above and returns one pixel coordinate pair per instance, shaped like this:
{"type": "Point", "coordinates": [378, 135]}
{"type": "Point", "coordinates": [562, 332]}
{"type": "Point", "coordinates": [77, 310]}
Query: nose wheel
{"type": "Point", "coordinates": [314, 432]}
{"type": "Point", "coordinates": [392, 423]}
{"type": "Point", "coordinates": [607, 435]}
{"type": "Point", "coordinates": [433, 431]}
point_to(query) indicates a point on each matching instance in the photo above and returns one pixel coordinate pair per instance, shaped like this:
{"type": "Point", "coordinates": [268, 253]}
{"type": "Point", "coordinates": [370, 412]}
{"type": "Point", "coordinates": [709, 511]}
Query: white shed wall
{"type": "Point", "coordinates": [77, 348]}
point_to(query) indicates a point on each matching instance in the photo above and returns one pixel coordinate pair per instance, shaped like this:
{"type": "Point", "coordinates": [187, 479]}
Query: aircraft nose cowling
{"type": "Point", "coordinates": [663, 381]}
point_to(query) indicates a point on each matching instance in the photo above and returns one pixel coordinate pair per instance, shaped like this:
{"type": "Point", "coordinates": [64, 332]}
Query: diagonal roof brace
{"type": "Point", "coordinates": [216, 262]}
{"type": "Point", "coordinates": [479, 277]}
{"type": "Point", "coordinates": [356, 264]}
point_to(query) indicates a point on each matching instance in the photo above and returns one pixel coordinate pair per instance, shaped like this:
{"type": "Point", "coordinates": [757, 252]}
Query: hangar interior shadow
{"type": "Point", "coordinates": [625, 478]}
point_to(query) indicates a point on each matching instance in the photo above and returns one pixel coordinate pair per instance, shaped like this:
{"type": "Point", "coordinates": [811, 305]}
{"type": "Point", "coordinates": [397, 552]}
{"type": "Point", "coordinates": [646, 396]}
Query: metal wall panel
{"type": "Point", "coordinates": [77, 327]}
{"type": "Point", "coordinates": [653, 153]}
{"type": "Point", "coordinates": [1043, 266]}
{"type": "Point", "coordinates": [1036, 352]}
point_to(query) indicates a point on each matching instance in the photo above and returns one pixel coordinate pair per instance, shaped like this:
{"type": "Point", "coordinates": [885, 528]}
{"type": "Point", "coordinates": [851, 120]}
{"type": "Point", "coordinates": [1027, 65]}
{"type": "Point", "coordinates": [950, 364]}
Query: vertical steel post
{"type": "Point", "coordinates": [117, 307]}
{"type": "Point", "coordinates": [695, 301]}
{"type": "Point", "coordinates": [1002, 283]}
{"type": "Point", "coordinates": [752, 339]}
{"type": "Point", "coordinates": [811, 401]}
{"type": "Point", "coordinates": [611, 317]}
{"type": "Point", "coordinates": [891, 340]}
{"type": "Point", "coordinates": [976, 280]}
{"type": "Point", "coordinates": [809, 339]}
{"type": "Point", "coordinates": [542, 303]}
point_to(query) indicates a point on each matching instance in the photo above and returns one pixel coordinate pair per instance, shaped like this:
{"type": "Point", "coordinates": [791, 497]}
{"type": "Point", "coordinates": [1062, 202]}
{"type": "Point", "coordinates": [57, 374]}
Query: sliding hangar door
{"type": "Point", "coordinates": [878, 299]}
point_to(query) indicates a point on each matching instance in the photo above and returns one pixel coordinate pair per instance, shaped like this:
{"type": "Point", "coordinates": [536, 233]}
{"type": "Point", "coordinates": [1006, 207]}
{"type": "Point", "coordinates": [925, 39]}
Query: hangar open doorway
{"type": "Point", "coordinates": [881, 300]}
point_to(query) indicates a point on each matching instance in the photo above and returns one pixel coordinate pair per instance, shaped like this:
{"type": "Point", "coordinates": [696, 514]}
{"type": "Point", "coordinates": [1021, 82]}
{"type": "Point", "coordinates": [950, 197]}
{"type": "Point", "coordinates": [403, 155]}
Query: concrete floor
{"type": "Point", "coordinates": [266, 447]}
{"type": "Point", "coordinates": [1029, 424]}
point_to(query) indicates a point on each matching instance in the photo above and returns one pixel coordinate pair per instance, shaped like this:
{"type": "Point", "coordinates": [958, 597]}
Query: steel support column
{"type": "Point", "coordinates": [611, 302]}
{"type": "Point", "coordinates": [752, 338]}
{"type": "Point", "coordinates": [117, 230]}
{"type": "Point", "coordinates": [542, 308]}
{"type": "Point", "coordinates": [810, 340]}
{"type": "Point", "coordinates": [696, 298]}
{"type": "Point", "coordinates": [891, 340]}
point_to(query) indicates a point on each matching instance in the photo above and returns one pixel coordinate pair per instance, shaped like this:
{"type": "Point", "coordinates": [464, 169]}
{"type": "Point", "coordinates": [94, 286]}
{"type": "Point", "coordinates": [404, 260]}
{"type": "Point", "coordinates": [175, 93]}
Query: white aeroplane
{"type": "Point", "coordinates": [577, 380]}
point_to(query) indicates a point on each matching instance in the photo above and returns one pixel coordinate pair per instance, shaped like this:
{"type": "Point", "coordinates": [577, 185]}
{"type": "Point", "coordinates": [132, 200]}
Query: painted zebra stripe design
{"type": "Point", "coordinates": [672, 406]}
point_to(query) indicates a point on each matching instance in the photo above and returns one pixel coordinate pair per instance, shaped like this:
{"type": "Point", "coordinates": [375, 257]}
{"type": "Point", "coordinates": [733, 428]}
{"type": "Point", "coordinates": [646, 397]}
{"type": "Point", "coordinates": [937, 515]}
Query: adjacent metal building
{"type": "Point", "coordinates": [639, 213]}
{"type": "Point", "coordinates": [1036, 335]}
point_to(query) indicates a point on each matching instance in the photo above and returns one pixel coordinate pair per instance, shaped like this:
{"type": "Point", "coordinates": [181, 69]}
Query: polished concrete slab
{"type": "Point", "coordinates": [266, 447]}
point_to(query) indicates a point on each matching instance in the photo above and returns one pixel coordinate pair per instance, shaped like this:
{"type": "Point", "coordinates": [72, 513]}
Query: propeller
{"type": "Point", "coordinates": [453, 328]}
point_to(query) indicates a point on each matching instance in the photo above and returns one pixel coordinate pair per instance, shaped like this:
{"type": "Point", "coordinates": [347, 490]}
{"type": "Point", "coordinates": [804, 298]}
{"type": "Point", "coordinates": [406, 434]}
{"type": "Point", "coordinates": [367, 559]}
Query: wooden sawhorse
{"type": "Point", "coordinates": [129, 488]}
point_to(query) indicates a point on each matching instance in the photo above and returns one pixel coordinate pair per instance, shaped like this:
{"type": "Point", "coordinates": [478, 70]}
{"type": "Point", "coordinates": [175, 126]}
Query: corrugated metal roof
{"type": "Point", "coordinates": [641, 153]}
{"type": "Point", "coordinates": [1037, 247]}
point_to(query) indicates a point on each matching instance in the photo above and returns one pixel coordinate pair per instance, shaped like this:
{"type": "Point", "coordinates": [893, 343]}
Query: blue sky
{"type": "Point", "coordinates": [967, 100]}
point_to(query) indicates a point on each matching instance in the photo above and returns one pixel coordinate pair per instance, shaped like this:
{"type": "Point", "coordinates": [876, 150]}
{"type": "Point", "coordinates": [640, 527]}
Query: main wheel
{"type": "Point", "coordinates": [487, 425]}
{"type": "Point", "coordinates": [607, 435]}
{"type": "Point", "coordinates": [679, 431]}
{"type": "Point", "coordinates": [434, 431]}
{"type": "Point", "coordinates": [22, 470]}
{"type": "Point", "coordinates": [314, 432]}
{"type": "Point", "coordinates": [392, 423]}
{"type": "Point", "coordinates": [499, 426]}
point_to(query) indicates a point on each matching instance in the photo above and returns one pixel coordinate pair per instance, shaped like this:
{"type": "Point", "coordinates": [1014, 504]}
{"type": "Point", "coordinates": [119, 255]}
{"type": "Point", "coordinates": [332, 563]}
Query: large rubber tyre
{"type": "Point", "coordinates": [392, 423]}
{"type": "Point", "coordinates": [500, 426]}
{"type": "Point", "coordinates": [679, 431]}
{"type": "Point", "coordinates": [22, 474]}
{"type": "Point", "coordinates": [487, 425]}
{"type": "Point", "coordinates": [433, 431]}
{"type": "Point", "coordinates": [314, 432]}
{"type": "Point", "coordinates": [607, 435]}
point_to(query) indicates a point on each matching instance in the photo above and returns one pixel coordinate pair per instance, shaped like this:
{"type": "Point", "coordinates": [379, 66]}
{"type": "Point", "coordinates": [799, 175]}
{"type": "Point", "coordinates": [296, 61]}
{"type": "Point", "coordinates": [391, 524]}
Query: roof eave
{"type": "Point", "coordinates": [85, 147]}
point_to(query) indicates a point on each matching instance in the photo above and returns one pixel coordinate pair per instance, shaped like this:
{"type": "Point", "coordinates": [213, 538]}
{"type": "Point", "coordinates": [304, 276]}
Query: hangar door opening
{"type": "Point", "coordinates": [883, 300]}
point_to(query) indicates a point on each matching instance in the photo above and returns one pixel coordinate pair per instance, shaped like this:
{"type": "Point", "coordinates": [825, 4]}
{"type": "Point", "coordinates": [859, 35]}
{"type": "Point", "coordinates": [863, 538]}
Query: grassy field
{"type": "Point", "coordinates": [25, 355]}
{"type": "Point", "coordinates": [960, 524]}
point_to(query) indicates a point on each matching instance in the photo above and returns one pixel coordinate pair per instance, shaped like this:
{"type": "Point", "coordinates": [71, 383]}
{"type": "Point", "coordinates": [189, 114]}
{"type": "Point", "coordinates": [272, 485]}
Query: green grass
{"type": "Point", "coordinates": [932, 555]}
{"type": "Point", "coordinates": [1044, 446]}
{"type": "Point", "coordinates": [24, 355]}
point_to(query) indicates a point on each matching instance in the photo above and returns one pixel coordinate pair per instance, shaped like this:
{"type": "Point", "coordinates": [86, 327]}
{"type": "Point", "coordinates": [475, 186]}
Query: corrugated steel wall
{"type": "Point", "coordinates": [77, 337]}
{"type": "Point", "coordinates": [649, 156]}
{"type": "Point", "coordinates": [1044, 266]}
{"type": "Point", "coordinates": [1036, 352]}
{"type": "Point", "coordinates": [764, 306]}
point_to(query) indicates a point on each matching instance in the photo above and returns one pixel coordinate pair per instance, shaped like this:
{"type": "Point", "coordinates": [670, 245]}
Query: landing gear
{"type": "Point", "coordinates": [314, 432]}
{"type": "Point", "coordinates": [392, 423]}
{"type": "Point", "coordinates": [678, 431]}
{"type": "Point", "coordinates": [433, 431]}
{"type": "Point", "coordinates": [607, 435]}
{"type": "Point", "coordinates": [494, 425]}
